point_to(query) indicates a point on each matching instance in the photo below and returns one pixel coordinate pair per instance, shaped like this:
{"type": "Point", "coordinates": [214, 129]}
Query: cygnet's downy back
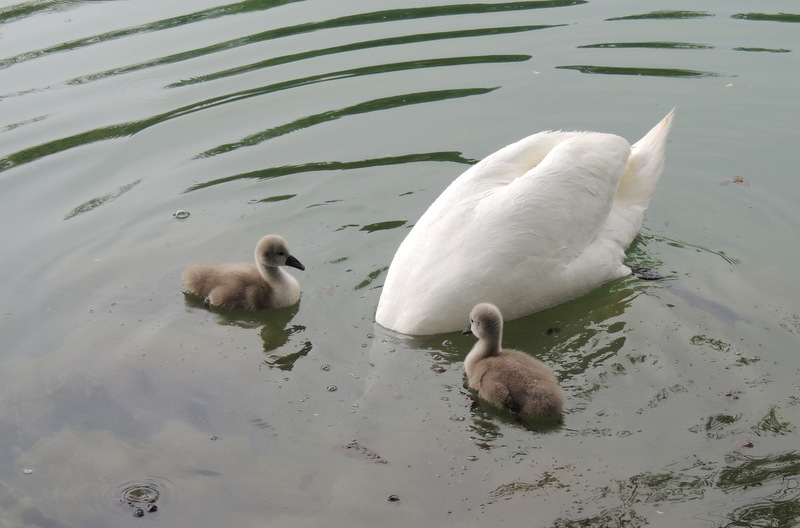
{"type": "Point", "coordinates": [508, 378]}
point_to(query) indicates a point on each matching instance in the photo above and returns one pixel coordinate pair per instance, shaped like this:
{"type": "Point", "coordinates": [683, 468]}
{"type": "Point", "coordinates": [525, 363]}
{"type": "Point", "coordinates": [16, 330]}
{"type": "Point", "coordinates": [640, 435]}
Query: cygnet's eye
{"type": "Point", "coordinates": [281, 253]}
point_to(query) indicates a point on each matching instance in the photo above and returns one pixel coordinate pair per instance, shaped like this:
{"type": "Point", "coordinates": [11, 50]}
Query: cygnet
{"type": "Point", "coordinates": [508, 378]}
{"type": "Point", "coordinates": [248, 285]}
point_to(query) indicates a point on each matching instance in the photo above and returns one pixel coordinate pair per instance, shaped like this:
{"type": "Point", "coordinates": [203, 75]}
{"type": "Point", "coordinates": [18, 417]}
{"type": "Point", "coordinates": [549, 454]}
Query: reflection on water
{"type": "Point", "coordinates": [274, 342]}
{"type": "Point", "coordinates": [281, 339]}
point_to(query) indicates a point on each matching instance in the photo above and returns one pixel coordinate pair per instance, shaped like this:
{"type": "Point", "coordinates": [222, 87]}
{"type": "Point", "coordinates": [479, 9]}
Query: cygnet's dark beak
{"type": "Point", "coordinates": [293, 262]}
{"type": "Point", "coordinates": [467, 330]}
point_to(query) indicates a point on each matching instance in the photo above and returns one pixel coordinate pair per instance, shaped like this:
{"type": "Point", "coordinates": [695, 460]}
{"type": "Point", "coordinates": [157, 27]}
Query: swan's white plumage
{"type": "Point", "coordinates": [537, 223]}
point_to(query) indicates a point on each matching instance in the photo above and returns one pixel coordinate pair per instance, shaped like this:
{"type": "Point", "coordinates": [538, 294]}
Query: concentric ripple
{"type": "Point", "coordinates": [140, 496]}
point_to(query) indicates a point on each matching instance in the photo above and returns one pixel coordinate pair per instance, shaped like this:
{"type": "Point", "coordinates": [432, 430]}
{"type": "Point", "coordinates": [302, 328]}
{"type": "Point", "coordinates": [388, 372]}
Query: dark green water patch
{"type": "Point", "coordinates": [648, 72]}
{"type": "Point", "coordinates": [763, 50]}
{"type": "Point", "coordinates": [27, 9]}
{"type": "Point", "coordinates": [101, 200]}
{"type": "Point", "coordinates": [371, 277]}
{"type": "Point", "coordinates": [665, 15]}
{"type": "Point", "coordinates": [657, 45]}
{"type": "Point", "coordinates": [287, 170]}
{"type": "Point", "coordinates": [770, 424]}
{"type": "Point", "coordinates": [374, 105]}
{"type": "Point", "coordinates": [130, 128]}
{"type": "Point", "coordinates": [383, 226]}
{"type": "Point", "coordinates": [279, 198]}
{"type": "Point", "coordinates": [375, 17]}
{"type": "Point", "coordinates": [355, 46]}
{"type": "Point", "coordinates": [744, 471]}
{"type": "Point", "coordinates": [769, 17]}
{"type": "Point", "coordinates": [23, 10]}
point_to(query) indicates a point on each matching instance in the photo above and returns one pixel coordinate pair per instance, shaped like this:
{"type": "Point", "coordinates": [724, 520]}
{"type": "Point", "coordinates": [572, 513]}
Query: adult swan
{"type": "Point", "coordinates": [539, 222]}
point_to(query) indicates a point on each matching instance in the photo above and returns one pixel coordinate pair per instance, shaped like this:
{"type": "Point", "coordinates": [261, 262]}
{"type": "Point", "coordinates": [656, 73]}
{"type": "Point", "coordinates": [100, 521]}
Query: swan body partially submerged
{"type": "Point", "coordinates": [539, 222]}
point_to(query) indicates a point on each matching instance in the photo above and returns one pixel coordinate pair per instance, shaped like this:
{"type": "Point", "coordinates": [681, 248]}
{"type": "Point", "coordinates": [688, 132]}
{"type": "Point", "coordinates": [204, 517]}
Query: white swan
{"type": "Point", "coordinates": [508, 378]}
{"type": "Point", "coordinates": [539, 222]}
{"type": "Point", "coordinates": [248, 285]}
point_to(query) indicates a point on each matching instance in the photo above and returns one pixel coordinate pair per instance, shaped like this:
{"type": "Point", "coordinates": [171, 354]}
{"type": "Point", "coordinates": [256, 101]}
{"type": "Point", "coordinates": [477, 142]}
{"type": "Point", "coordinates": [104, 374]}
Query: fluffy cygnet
{"type": "Point", "coordinates": [508, 378]}
{"type": "Point", "coordinates": [248, 285]}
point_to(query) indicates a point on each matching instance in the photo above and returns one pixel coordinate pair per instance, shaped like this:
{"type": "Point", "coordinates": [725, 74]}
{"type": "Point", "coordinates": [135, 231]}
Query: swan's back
{"type": "Point", "coordinates": [535, 224]}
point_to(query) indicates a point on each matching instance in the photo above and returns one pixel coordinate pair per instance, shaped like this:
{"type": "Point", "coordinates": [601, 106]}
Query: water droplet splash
{"type": "Point", "coordinates": [138, 494]}
{"type": "Point", "coordinates": [181, 214]}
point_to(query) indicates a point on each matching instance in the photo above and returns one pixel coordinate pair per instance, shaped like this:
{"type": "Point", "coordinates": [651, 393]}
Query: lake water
{"type": "Point", "coordinates": [336, 125]}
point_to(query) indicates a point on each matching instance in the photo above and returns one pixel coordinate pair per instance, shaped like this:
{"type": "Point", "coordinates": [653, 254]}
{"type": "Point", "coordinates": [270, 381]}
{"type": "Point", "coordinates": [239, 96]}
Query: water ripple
{"type": "Point", "coordinates": [101, 200]}
{"type": "Point", "coordinates": [390, 41]}
{"type": "Point", "coordinates": [286, 170]}
{"type": "Point", "coordinates": [665, 15]}
{"type": "Point", "coordinates": [649, 45]}
{"type": "Point", "coordinates": [120, 130]}
{"type": "Point", "coordinates": [770, 17]}
{"type": "Point", "coordinates": [137, 493]}
{"type": "Point", "coordinates": [638, 71]}
{"type": "Point", "coordinates": [28, 9]}
{"type": "Point", "coordinates": [383, 103]}
{"type": "Point", "coordinates": [24, 10]}
{"type": "Point", "coordinates": [375, 17]}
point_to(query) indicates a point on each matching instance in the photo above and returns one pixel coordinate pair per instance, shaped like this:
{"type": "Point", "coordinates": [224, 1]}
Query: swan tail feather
{"type": "Point", "coordinates": [638, 182]}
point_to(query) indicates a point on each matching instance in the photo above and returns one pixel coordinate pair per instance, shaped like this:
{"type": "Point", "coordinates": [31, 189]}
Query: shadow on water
{"type": "Point", "coordinates": [638, 257]}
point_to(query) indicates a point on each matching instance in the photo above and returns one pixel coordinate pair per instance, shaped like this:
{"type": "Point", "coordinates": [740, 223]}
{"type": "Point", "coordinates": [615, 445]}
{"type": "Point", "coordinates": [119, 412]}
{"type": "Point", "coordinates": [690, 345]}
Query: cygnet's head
{"type": "Point", "coordinates": [272, 251]}
{"type": "Point", "coordinates": [485, 321]}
